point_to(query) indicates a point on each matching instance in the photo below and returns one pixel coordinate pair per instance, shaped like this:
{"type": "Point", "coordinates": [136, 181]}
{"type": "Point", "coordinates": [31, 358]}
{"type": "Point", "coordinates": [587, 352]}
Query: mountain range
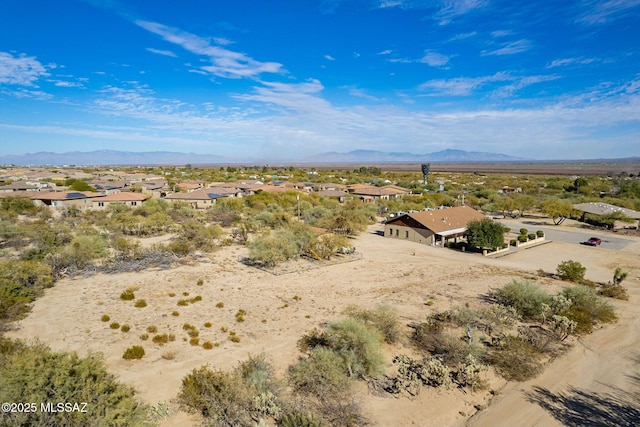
{"type": "Point", "coordinates": [120, 158]}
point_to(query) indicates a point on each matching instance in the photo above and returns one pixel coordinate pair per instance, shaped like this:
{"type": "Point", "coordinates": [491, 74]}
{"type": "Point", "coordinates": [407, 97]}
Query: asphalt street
{"type": "Point", "coordinates": [570, 235]}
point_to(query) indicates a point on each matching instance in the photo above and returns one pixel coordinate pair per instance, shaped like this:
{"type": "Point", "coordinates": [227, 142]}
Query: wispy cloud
{"type": "Point", "coordinates": [451, 9]}
{"type": "Point", "coordinates": [510, 48]}
{"type": "Point", "coordinates": [20, 70]}
{"type": "Point", "coordinates": [329, 58]}
{"type": "Point", "coordinates": [603, 11]}
{"type": "Point", "coordinates": [463, 36]}
{"type": "Point", "coordinates": [500, 33]}
{"type": "Point", "coordinates": [224, 63]}
{"type": "Point", "coordinates": [463, 86]}
{"type": "Point", "coordinates": [162, 52]}
{"type": "Point", "coordinates": [385, 52]}
{"type": "Point", "coordinates": [435, 59]}
{"type": "Point", "coordinates": [571, 61]}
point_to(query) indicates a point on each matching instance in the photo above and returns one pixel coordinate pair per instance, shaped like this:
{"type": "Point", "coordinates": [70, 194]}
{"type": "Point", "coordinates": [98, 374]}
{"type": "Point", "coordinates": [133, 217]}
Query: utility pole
{"type": "Point", "coordinates": [298, 198]}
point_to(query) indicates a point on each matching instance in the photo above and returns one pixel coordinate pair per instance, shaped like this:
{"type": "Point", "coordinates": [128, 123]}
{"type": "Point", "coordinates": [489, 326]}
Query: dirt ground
{"type": "Point", "coordinates": [280, 309]}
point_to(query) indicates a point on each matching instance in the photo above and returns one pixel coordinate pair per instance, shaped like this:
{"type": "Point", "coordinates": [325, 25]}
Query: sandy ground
{"type": "Point", "coordinates": [280, 309]}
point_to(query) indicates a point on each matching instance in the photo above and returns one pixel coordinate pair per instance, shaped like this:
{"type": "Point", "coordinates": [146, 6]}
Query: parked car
{"type": "Point", "coordinates": [593, 241]}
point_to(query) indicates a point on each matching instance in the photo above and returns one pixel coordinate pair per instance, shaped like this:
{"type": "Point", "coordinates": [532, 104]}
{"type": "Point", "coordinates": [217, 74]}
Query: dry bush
{"type": "Point", "coordinates": [527, 298]}
{"type": "Point", "coordinates": [382, 317]}
{"type": "Point", "coordinates": [515, 359]}
{"type": "Point", "coordinates": [614, 290]}
{"type": "Point", "coordinates": [587, 308]}
{"type": "Point", "coordinates": [135, 352]}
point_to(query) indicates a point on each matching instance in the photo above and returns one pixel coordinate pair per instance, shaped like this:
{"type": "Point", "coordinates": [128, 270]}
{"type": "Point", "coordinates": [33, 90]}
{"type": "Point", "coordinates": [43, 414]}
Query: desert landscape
{"type": "Point", "coordinates": [600, 371]}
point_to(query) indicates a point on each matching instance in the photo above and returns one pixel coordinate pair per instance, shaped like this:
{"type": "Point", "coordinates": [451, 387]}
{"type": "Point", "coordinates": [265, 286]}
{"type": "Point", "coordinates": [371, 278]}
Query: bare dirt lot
{"type": "Point", "coordinates": [280, 309]}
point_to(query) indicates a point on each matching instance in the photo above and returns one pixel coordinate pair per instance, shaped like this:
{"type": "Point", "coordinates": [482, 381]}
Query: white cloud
{"type": "Point", "coordinates": [224, 63]}
{"type": "Point", "coordinates": [500, 33]}
{"type": "Point", "coordinates": [329, 58]}
{"type": "Point", "coordinates": [463, 86]}
{"type": "Point", "coordinates": [435, 59]}
{"type": "Point", "coordinates": [385, 52]}
{"type": "Point", "coordinates": [603, 11]}
{"type": "Point", "coordinates": [451, 9]}
{"type": "Point", "coordinates": [463, 36]}
{"type": "Point", "coordinates": [510, 48]}
{"type": "Point", "coordinates": [162, 52]}
{"type": "Point", "coordinates": [571, 61]}
{"type": "Point", "coordinates": [21, 70]}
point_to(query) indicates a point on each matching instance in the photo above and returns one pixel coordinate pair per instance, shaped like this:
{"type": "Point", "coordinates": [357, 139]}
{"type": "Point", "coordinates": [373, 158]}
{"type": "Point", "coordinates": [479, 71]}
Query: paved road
{"type": "Point", "coordinates": [570, 235]}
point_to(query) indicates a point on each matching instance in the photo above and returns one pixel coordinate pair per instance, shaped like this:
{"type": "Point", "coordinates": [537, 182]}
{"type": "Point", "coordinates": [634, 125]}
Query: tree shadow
{"type": "Point", "coordinates": [585, 409]}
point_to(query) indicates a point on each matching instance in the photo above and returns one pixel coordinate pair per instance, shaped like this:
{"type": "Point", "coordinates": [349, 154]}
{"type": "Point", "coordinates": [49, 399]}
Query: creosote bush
{"type": "Point", "coordinates": [141, 303]}
{"type": "Point", "coordinates": [571, 270]}
{"type": "Point", "coordinates": [382, 317]}
{"type": "Point", "coordinates": [127, 295]}
{"type": "Point", "coordinates": [125, 328]}
{"type": "Point", "coordinates": [135, 352]}
{"type": "Point", "coordinates": [152, 329]}
{"type": "Point", "coordinates": [105, 318]}
{"type": "Point", "coordinates": [207, 345]}
{"type": "Point", "coordinates": [528, 298]}
{"type": "Point", "coordinates": [220, 305]}
{"type": "Point", "coordinates": [114, 325]}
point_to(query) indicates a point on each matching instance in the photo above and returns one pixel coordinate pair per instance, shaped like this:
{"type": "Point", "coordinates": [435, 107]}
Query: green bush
{"type": "Point", "coordinates": [135, 352]}
{"type": "Point", "coordinates": [127, 295]}
{"type": "Point", "coordinates": [527, 298]}
{"type": "Point", "coordinates": [321, 375]}
{"type": "Point", "coordinates": [36, 374]}
{"type": "Point", "coordinates": [587, 308]}
{"type": "Point", "coordinates": [571, 270]}
{"type": "Point", "coordinates": [115, 325]}
{"type": "Point", "coordinates": [301, 419]}
{"type": "Point", "coordinates": [125, 328]}
{"type": "Point", "coordinates": [522, 238]}
{"type": "Point", "coordinates": [531, 236]}
{"type": "Point", "coordinates": [207, 345]}
{"type": "Point", "coordinates": [221, 397]}
{"type": "Point", "coordinates": [21, 282]}
{"type": "Point", "coordinates": [141, 303]}
{"type": "Point", "coordinates": [358, 346]}
{"type": "Point", "coordinates": [105, 318]}
{"type": "Point", "coordinates": [540, 233]}
{"type": "Point", "coordinates": [524, 231]}
{"type": "Point", "coordinates": [382, 317]}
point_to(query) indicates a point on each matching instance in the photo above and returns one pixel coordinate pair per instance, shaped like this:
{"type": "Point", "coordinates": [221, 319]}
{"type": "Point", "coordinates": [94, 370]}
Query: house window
{"type": "Point", "coordinates": [391, 232]}
{"type": "Point", "coordinates": [134, 203]}
{"type": "Point", "coordinates": [406, 234]}
{"type": "Point", "coordinates": [100, 204]}
{"type": "Point", "coordinates": [397, 232]}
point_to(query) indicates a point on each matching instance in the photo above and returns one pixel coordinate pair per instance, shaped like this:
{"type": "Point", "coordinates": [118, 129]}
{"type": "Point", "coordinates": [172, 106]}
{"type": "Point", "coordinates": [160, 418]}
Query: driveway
{"type": "Point", "coordinates": [568, 234]}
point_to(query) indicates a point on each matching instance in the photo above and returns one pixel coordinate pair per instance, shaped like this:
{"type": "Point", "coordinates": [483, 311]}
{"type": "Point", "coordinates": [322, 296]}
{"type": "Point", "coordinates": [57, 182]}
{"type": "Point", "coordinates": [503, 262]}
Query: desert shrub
{"type": "Point", "coordinates": [175, 313]}
{"type": "Point", "coordinates": [220, 305]}
{"type": "Point", "coordinates": [195, 299]}
{"type": "Point", "coordinates": [168, 355]}
{"type": "Point", "coordinates": [188, 326]}
{"type": "Point", "coordinates": [194, 341]}
{"type": "Point", "coordinates": [515, 359]}
{"type": "Point", "coordinates": [162, 339]}
{"type": "Point", "coordinates": [125, 328]}
{"type": "Point", "coordinates": [358, 346]}
{"type": "Point", "coordinates": [452, 349]}
{"type": "Point", "coordinates": [382, 317]}
{"type": "Point", "coordinates": [614, 290]}
{"type": "Point", "coordinates": [207, 345]}
{"type": "Point", "coordinates": [135, 352]}
{"type": "Point", "coordinates": [301, 419]}
{"type": "Point", "coordinates": [527, 298]}
{"type": "Point", "coordinates": [233, 337]}
{"type": "Point", "coordinates": [221, 397]}
{"type": "Point", "coordinates": [152, 329]}
{"type": "Point", "coordinates": [587, 308]}
{"type": "Point", "coordinates": [127, 295]}
{"type": "Point", "coordinates": [21, 282]}
{"type": "Point", "coordinates": [172, 294]}
{"type": "Point", "coordinates": [33, 373]}
{"type": "Point", "coordinates": [193, 333]}
{"type": "Point", "coordinates": [114, 325]}
{"type": "Point", "coordinates": [105, 318]}
{"type": "Point", "coordinates": [468, 373]}
{"type": "Point", "coordinates": [240, 315]}
{"type": "Point", "coordinates": [207, 324]}
{"type": "Point", "coordinates": [185, 293]}
{"type": "Point", "coordinates": [144, 337]}
{"type": "Point", "coordinates": [571, 270]}
{"type": "Point", "coordinates": [141, 303]}
{"type": "Point", "coordinates": [183, 302]}
{"type": "Point", "coordinates": [200, 282]}
{"type": "Point", "coordinates": [320, 375]}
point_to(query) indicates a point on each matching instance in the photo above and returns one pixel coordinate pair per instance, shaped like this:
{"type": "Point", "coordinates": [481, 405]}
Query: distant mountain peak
{"type": "Point", "coordinates": [447, 155]}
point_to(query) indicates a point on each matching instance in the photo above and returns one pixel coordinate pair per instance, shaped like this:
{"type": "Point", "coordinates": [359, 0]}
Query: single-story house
{"type": "Point", "coordinates": [126, 198]}
{"type": "Point", "coordinates": [432, 227]}
{"type": "Point", "coordinates": [203, 198]}
{"type": "Point", "coordinates": [65, 199]}
{"type": "Point", "coordinates": [596, 208]}
{"type": "Point", "coordinates": [369, 193]}
{"type": "Point", "coordinates": [335, 194]}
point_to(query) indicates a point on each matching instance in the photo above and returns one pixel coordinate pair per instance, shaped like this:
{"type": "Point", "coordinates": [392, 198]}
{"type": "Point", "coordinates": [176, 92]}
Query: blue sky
{"type": "Point", "coordinates": [283, 80]}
